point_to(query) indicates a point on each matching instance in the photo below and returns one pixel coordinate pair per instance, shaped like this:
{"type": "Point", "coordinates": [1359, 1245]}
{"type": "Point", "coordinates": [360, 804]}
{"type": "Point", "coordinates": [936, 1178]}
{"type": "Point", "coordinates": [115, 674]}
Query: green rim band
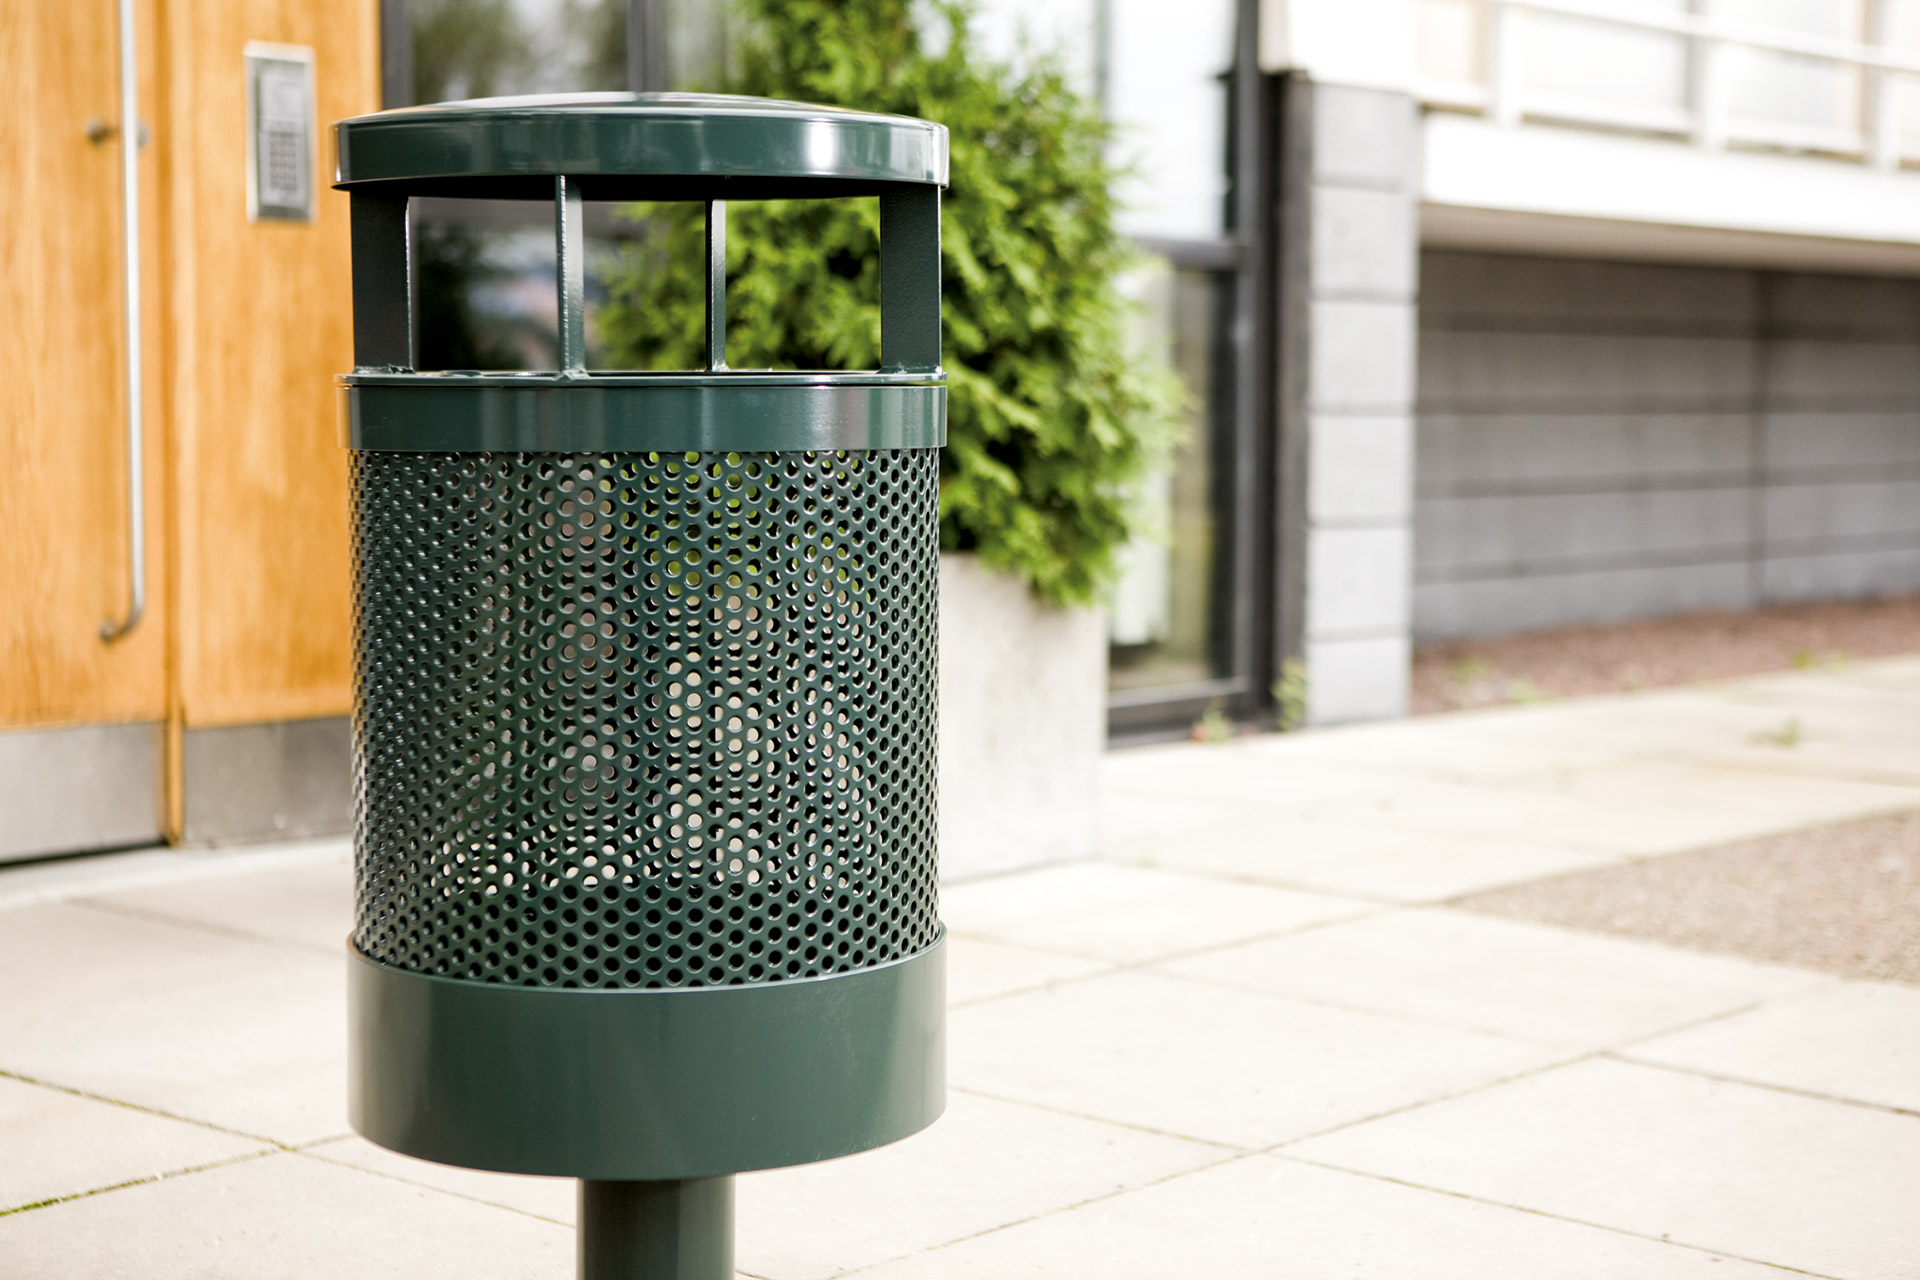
{"type": "Point", "coordinates": [648, 1084]}
{"type": "Point", "coordinates": [426, 414]}
{"type": "Point", "coordinates": [624, 140]}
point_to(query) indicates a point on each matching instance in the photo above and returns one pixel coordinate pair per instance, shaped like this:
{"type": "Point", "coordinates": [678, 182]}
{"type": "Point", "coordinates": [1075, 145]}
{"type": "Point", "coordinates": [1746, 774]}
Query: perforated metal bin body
{"type": "Point", "coordinates": [645, 670]}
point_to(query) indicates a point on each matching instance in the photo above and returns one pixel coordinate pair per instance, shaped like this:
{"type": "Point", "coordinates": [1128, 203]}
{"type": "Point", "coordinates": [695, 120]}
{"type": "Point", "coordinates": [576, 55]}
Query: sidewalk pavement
{"type": "Point", "coordinates": [1248, 1042]}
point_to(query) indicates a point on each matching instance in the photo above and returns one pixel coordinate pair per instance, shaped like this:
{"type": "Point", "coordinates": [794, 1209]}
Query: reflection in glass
{"type": "Point", "coordinates": [487, 48]}
{"type": "Point", "coordinates": [486, 287]}
{"type": "Point", "coordinates": [485, 280]}
{"type": "Point", "coordinates": [1165, 624]}
{"type": "Point", "coordinates": [1166, 94]}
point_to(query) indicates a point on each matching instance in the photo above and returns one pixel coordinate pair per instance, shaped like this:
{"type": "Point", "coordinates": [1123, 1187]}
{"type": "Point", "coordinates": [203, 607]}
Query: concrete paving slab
{"type": "Point", "coordinates": [1532, 744]}
{"type": "Point", "coordinates": [81, 958]}
{"type": "Point", "coordinates": [1643, 808]}
{"type": "Point", "coordinates": [824, 1220]}
{"type": "Point", "coordinates": [58, 1145]}
{"type": "Point", "coordinates": [1285, 774]}
{"type": "Point", "coordinates": [261, 1053]}
{"type": "Point", "coordinates": [986, 1164]}
{"type": "Point", "coordinates": [1126, 914]}
{"type": "Point", "coordinates": [1208, 1062]}
{"type": "Point", "coordinates": [1799, 1182]}
{"type": "Point", "coordinates": [62, 878]}
{"type": "Point", "coordinates": [1896, 672]}
{"type": "Point", "coordinates": [1347, 859]}
{"type": "Point", "coordinates": [1472, 748]}
{"type": "Point", "coordinates": [1522, 745]}
{"type": "Point", "coordinates": [1731, 804]}
{"type": "Point", "coordinates": [1858, 715]}
{"type": "Point", "coordinates": [1266, 1217]}
{"type": "Point", "coordinates": [1852, 1040]}
{"type": "Point", "coordinates": [1890, 678]}
{"type": "Point", "coordinates": [1575, 990]}
{"type": "Point", "coordinates": [981, 970]}
{"type": "Point", "coordinates": [551, 1198]}
{"type": "Point", "coordinates": [1618, 797]}
{"type": "Point", "coordinates": [1796, 747]}
{"type": "Point", "coordinates": [280, 1217]}
{"type": "Point", "coordinates": [309, 905]}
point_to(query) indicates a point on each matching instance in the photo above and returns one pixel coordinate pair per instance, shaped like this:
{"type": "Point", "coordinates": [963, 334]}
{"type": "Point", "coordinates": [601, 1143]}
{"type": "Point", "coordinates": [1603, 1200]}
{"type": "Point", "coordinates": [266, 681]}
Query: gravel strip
{"type": "Point", "coordinates": [1659, 653]}
{"type": "Point", "coordinates": [1844, 899]}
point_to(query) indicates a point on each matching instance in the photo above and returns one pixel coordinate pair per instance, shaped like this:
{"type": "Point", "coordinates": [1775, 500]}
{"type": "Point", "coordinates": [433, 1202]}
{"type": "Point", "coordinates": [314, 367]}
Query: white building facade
{"type": "Point", "coordinates": [1550, 312]}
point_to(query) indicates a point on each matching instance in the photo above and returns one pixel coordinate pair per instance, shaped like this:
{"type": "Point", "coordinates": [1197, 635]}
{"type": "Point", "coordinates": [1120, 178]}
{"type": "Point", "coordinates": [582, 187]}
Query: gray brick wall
{"type": "Point", "coordinates": [1601, 441]}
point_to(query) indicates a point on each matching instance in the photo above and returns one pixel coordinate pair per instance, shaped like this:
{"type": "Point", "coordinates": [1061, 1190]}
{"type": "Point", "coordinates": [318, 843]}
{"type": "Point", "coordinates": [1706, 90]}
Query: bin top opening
{"type": "Point", "coordinates": [628, 146]}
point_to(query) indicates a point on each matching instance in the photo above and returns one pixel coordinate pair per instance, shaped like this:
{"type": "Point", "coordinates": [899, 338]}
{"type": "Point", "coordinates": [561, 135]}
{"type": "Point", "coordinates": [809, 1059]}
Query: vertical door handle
{"type": "Point", "coordinates": [129, 132]}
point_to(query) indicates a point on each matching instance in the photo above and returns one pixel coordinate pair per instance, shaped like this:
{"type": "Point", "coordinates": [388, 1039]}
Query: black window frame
{"type": "Point", "coordinates": [1242, 419]}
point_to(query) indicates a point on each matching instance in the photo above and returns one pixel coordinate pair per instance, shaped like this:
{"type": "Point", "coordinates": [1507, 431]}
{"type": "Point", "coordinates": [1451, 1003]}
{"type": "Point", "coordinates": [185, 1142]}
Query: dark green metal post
{"type": "Point", "coordinates": [680, 1230]}
{"type": "Point", "coordinates": [910, 278]}
{"type": "Point", "coordinates": [382, 305]}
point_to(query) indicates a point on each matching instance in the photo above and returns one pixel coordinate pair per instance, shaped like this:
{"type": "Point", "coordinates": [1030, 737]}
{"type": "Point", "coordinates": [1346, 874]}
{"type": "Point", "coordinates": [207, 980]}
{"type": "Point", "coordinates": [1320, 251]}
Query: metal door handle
{"type": "Point", "coordinates": [130, 139]}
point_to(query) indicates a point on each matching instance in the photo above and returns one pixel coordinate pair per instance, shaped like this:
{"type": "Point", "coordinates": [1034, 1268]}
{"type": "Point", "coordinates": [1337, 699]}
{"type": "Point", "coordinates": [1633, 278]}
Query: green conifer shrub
{"type": "Point", "coordinates": [1052, 415]}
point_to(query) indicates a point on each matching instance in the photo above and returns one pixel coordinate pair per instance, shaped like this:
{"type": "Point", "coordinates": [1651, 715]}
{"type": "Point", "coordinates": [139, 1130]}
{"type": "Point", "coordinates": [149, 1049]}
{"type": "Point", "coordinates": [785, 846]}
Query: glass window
{"type": "Point", "coordinates": [1172, 648]}
{"type": "Point", "coordinates": [1165, 623]}
{"type": "Point", "coordinates": [490, 48]}
{"type": "Point", "coordinates": [1166, 92]}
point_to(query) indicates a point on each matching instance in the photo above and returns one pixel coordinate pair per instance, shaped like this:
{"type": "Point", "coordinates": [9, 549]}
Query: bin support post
{"type": "Point", "coordinates": [680, 1230]}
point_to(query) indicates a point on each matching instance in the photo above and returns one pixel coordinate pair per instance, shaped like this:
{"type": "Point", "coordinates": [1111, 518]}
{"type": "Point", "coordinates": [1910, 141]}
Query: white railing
{"type": "Point", "coordinates": [1502, 93]}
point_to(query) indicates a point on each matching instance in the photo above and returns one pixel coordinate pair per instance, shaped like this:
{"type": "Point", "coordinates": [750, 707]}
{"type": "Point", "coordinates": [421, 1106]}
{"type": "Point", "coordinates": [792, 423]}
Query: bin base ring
{"type": "Point", "coordinates": [645, 1085]}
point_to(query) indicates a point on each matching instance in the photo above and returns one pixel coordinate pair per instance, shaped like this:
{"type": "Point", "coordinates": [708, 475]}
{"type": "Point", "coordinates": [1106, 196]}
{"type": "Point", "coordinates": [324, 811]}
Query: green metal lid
{"type": "Point", "coordinates": [625, 146]}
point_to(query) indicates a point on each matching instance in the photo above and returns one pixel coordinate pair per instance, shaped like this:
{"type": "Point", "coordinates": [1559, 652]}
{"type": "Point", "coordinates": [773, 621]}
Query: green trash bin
{"type": "Point", "coordinates": [644, 693]}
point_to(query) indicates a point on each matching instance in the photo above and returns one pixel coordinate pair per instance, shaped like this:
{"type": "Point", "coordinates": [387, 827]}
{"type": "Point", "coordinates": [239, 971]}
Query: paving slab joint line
{"type": "Point", "coordinates": [1884, 1108]}
{"type": "Point", "coordinates": [1280, 882]}
{"type": "Point", "coordinates": [1783, 766]}
{"type": "Point", "coordinates": [1396, 1015]}
{"type": "Point", "coordinates": [203, 926]}
{"type": "Point", "coordinates": [1823, 982]}
{"type": "Point", "coordinates": [1466, 1092]}
{"type": "Point", "coordinates": [1820, 771]}
{"type": "Point", "coordinates": [1035, 1217]}
{"type": "Point", "coordinates": [157, 867]}
{"type": "Point", "coordinates": [152, 1111]}
{"type": "Point", "coordinates": [1106, 1120]}
{"type": "Point", "coordinates": [308, 1152]}
{"type": "Point", "coordinates": [1560, 1217]}
{"type": "Point", "coordinates": [1517, 779]}
{"type": "Point", "coordinates": [1135, 966]}
{"type": "Point", "coordinates": [1786, 765]}
{"type": "Point", "coordinates": [1467, 831]}
{"type": "Point", "coordinates": [1046, 985]}
{"type": "Point", "coordinates": [140, 1182]}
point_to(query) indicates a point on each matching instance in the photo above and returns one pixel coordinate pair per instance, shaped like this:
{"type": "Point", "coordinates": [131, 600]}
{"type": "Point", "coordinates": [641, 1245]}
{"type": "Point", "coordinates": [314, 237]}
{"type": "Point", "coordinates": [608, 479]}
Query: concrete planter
{"type": "Point", "coordinates": [1022, 723]}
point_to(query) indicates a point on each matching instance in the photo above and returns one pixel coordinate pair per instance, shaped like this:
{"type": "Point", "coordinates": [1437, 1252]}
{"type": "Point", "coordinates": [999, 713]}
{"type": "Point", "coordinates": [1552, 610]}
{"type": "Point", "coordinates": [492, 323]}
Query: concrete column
{"type": "Point", "coordinates": [1355, 283]}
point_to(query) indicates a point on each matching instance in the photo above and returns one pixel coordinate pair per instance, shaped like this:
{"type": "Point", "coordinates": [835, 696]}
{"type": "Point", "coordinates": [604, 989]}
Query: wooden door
{"type": "Point", "coordinates": [262, 321]}
{"type": "Point", "coordinates": [81, 747]}
{"type": "Point", "coordinates": [244, 323]}
{"type": "Point", "coordinates": [63, 380]}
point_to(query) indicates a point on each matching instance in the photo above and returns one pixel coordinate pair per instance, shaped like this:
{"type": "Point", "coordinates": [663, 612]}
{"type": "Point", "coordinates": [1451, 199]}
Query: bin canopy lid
{"type": "Point", "coordinates": [637, 146]}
